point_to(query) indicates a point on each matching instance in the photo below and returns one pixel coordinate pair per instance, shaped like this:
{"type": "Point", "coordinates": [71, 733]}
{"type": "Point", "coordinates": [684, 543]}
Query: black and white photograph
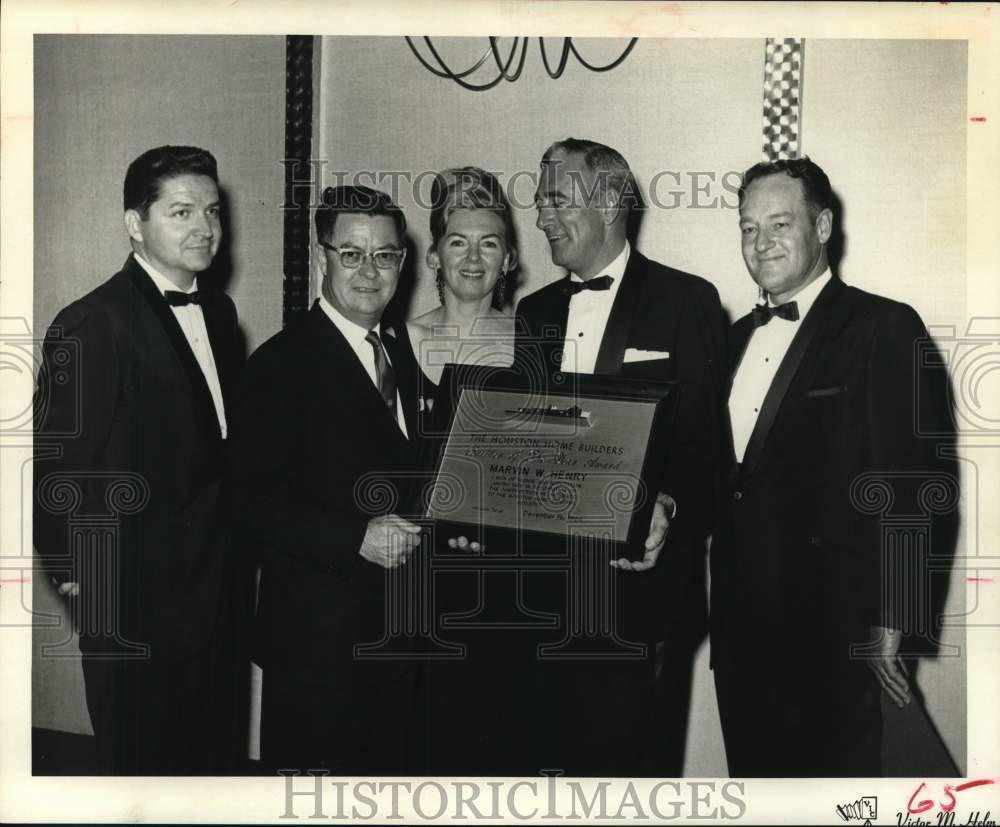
{"type": "Point", "coordinates": [504, 411]}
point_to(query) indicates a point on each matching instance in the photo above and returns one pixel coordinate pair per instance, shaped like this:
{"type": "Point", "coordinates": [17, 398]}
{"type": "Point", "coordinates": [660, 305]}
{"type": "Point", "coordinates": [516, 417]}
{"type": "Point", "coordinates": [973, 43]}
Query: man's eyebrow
{"type": "Point", "coordinates": [779, 214]}
{"type": "Point", "coordinates": [183, 201]}
{"type": "Point", "coordinates": [355, 246]}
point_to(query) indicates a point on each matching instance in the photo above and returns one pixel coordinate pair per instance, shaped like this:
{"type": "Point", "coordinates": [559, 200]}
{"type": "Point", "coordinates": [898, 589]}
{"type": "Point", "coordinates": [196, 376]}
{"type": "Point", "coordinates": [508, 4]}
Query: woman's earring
{"type": "Point", "coordinates": [500, 290]}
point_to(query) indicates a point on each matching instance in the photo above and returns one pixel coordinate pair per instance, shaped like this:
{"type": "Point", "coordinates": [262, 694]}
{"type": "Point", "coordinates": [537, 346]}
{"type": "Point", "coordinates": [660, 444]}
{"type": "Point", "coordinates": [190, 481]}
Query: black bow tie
{"type": "Point", "coordinates": [175, 298]}
{"type": "Point", "coordinates": [763, 313]}
{"type": "Point", "coordinates": [571, 288]}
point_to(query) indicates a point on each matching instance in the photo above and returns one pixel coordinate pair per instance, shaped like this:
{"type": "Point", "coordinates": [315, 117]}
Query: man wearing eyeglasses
{"type": "Point", "coordinates": [326, 413]}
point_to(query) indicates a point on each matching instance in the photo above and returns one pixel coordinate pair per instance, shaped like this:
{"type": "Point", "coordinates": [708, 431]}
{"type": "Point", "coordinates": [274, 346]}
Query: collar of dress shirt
{"type": "Point", "coordinates": [353, 332]}
{"type": "Point", "coordinates": [163, 284]}
{"type": "Point", "coordinates": [805, 298]}
{"type": "Point", "coordinates": [616, 269]}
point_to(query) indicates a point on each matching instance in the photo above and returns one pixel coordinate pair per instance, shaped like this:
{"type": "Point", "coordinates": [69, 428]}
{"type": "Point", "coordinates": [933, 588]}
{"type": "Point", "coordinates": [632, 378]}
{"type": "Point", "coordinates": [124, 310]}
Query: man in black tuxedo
{"type": "Point", "coordinates": [617, 313]}
{"type": "Point", "coordinates": [824, 422]}
{"type": "Point", "coordinates": [132, 410]}
{"type": "Point", "coordinates": [325, 415]}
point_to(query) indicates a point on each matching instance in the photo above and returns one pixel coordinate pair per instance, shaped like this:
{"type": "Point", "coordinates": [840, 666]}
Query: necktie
{"type": "Point", "coordinates": [571, 288]}
{"type": "Point", "coordinates": [175, 298]}
{"type": "Point", "coordinates": [384, 371]}
{"type": "Point", "coordinates": [763, 313]}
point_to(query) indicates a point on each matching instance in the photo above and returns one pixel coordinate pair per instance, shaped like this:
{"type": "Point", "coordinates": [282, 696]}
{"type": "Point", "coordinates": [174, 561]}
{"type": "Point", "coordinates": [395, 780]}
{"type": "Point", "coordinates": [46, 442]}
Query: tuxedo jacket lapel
{"type": "Point", "coordinates": [815, 319]}
{"type": "Point", "coordinates": [554, 329]}
{"type": "Point", "coordinates": [197, 383]}
{"type": "Point", "coordinates": [335, 349]}
{"type": "Point", "coordinates": [611, 354]}
{"type": "Point", "coordinates": [739, 338]}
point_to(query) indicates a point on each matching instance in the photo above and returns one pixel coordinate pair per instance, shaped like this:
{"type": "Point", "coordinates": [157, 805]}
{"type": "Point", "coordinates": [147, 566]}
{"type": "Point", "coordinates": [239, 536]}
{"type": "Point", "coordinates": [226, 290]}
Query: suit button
{"type": "Point", "coordinates": [737, 495]}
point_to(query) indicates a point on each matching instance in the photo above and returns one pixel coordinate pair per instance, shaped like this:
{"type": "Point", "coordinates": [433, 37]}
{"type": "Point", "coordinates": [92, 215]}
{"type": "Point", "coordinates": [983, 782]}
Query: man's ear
{"type": "Point", "coordinates": [133, 225]}
{"type": "Point", "coordinates": [321, 260]}
{"type": "Point", "coordinates": [824, 225]}
{"type": "Point", "coordinates": [612, 206]}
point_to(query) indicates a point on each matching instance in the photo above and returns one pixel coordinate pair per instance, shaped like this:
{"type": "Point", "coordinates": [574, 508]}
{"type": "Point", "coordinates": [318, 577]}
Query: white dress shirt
{"type": "Point", "coordinates": [192, 322]}
{"type": "Point", "coordinates": [589, 311]}
{"type": "Point", "coordinates": [355, 335]}
{"type": "Point", "coordinates": [767, 347]}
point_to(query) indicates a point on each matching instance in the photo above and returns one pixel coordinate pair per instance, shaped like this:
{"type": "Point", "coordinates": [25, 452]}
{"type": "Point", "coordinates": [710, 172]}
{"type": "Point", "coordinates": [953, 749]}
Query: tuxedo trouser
{"type": "Point", "coordinates": [349, 724]}
{"type": "Point", "coordinates": [615, 719]}
{"type": "Point", "coordinates": [506, 707]}
{"type": "Point", "coordinates": [671, 708]}
{"type": "Point", "coordinates": [794, 720]}
{"type": "Point", "coordinates": [594, 718]}
{"type": "Point", "coordinates": [164, 716]}
{"type": "Point", "coordinates": [604, 711]}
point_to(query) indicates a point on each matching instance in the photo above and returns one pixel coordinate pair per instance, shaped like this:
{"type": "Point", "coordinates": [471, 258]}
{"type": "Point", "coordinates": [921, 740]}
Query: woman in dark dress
{"type": "Point", "coordinates": [471, 722]}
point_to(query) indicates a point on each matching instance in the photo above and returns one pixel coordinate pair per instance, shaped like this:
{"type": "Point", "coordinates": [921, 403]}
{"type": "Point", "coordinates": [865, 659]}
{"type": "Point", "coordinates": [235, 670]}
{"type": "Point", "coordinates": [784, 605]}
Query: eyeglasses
{"type": "Point", "coordinates": [351, 257]}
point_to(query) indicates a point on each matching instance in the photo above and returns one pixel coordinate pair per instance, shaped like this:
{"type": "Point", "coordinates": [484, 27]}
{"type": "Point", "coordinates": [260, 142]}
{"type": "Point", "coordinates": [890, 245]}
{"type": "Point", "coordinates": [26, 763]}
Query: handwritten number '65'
{"type": "Point", "coordinates": [948, 804]}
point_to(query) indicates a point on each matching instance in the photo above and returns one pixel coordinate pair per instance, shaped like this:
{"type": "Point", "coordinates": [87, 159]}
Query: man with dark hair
{"type": "Point", "coordinates": [325, 416]}
{"type": "Point", "coordinates": [616, 313]}
{"type": "Point", "coordinates": [816, 189]}
{"type": "Point", "coordinates": [823, 414]}
{"type": "Point", "coordinates": [132, 410]}
{"type": "Point", "coordinates": [145, 173]}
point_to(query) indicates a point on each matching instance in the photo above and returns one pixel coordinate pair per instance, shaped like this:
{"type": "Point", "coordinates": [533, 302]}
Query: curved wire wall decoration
{"type": "Point", "coordinates": [503, 64]}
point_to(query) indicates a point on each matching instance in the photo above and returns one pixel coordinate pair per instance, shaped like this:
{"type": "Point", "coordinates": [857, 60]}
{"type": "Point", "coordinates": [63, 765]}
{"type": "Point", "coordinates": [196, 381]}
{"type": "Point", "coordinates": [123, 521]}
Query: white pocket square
{"type": "Point", "coordinates": [634, 354]}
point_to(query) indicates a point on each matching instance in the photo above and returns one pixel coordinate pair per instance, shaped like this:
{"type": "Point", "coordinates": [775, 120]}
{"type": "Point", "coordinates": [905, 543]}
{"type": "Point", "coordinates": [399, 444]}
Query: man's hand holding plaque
{"type": "Point", "coordinates": [465, 544]}
{"type": "Point", "coordinates": [389, 541]}
{"type": "Point", "coordinates": [659, 525]}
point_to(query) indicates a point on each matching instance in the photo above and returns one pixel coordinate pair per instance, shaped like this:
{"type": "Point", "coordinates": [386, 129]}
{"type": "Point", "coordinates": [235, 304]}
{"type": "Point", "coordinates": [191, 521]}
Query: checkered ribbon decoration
{"type": "Point", "coordinates": [782, 100]}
